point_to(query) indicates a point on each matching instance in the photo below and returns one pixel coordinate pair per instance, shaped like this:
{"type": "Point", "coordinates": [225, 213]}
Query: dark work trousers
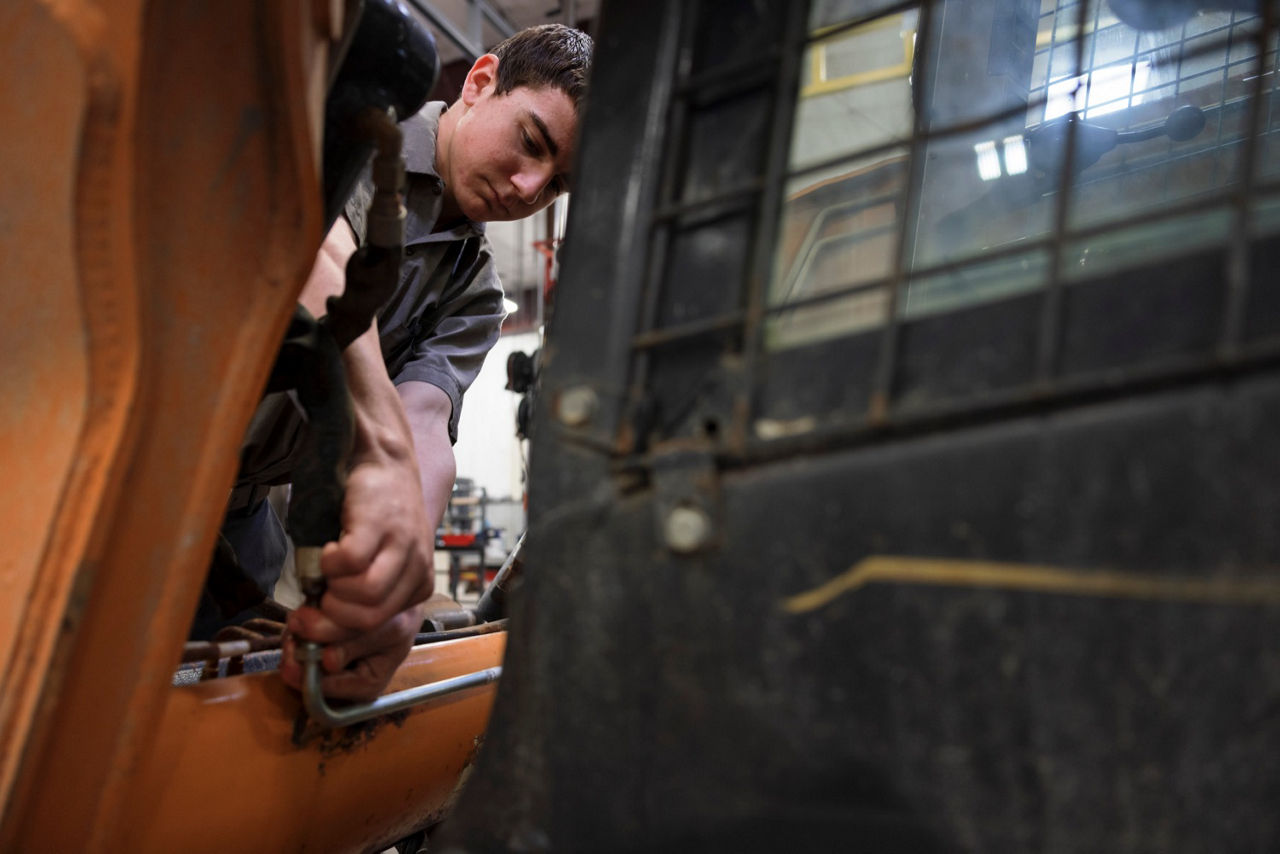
{"type": "Point", "coordinates": [260, 545]}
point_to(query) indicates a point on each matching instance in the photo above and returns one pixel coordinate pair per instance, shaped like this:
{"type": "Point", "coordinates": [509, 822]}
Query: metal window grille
{"type": "Point", "coordinates": [710, 360]}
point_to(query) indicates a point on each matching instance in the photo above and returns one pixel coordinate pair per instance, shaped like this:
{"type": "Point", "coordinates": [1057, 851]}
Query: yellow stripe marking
{"type": "Point", "coordinates": [1039, 579]}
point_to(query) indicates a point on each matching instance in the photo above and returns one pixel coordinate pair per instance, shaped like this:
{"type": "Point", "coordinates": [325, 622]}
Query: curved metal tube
{"type": "Point", "coordinates": [322, 713]}
{"type": "Point", "coordinates": [493, 604]}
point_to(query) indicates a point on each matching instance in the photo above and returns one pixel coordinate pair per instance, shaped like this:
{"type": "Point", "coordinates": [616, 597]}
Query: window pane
{"type": "Point", "coordinates": [1269, 147]}
{"type": "Point", "coordinates": [1158, 118]}
{"type": "Point", "coordinates": [1266, 216]}
{"type": "Point", "coordinates": [855, 94]}
{"type": "Point", "coordinates": [969, 285]}
{"type": "Point", "coordinates": [829, 13]}
{"type": "Point", "coordinates": [837, 237]}
{"type": "Point", "coordinates": [1022, 101]}
{"type": "Point", "coordinates": [731, 33]}
{"type": "Point", "coordinates": [1176, 134]}
{"type": "Point", "coordinates": [726, 147]}
{"type": "Point", "coordinates": [840, 227]}
{"type": "Point", "coordinates": [1130, 248]}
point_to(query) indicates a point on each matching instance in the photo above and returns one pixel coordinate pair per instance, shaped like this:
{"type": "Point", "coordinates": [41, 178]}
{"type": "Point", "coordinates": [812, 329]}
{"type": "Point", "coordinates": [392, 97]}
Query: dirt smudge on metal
{"type": "Point", "coordinates": [351, 738]}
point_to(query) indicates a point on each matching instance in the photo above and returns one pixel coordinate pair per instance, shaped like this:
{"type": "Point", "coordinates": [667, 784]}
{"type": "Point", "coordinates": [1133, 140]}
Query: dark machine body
{"type": "Point", "coordinates": [998, 578]}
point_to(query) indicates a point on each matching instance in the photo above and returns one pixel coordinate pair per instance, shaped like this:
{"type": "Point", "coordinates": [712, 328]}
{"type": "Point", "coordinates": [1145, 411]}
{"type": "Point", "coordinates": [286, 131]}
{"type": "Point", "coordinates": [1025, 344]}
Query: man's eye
{"type": "Point", "coordinates": [529, 145]}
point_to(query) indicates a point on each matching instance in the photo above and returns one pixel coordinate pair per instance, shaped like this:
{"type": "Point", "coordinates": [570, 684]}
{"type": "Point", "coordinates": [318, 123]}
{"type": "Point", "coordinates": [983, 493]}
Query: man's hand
{"type": "Point", "coordinates": [378, 575]}
{"type": "Point", "coordinates": [355, 665]}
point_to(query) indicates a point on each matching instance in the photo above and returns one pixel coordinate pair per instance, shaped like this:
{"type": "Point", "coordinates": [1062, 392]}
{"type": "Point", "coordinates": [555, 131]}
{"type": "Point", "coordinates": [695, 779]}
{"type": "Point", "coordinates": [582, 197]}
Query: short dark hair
{"type": "Point", "coordinates": [546, 55]}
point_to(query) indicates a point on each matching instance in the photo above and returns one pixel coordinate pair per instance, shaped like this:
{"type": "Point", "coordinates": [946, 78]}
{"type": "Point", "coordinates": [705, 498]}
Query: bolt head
{"type": "Point", "coordinates": [687, 529]}
{"type": "Point", "coordinates": [576, 406]}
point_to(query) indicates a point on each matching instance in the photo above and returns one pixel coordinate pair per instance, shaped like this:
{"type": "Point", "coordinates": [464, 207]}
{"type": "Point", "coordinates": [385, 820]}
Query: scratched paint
{"type": "Point", "coordinates": [1040, 579]}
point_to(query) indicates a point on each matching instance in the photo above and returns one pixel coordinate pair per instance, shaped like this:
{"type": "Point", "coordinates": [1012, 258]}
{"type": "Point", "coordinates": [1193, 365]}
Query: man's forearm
{"type": "Point", "coordinates": [428, 410]}
{"type": "Point", "coordinates": [382, 430]}
{"type": "Point", "coordinates": [381, 426]}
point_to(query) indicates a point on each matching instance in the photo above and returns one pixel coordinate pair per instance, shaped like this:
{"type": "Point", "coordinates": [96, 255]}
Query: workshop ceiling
{"type": "Point", "coordinates": [520, 14]}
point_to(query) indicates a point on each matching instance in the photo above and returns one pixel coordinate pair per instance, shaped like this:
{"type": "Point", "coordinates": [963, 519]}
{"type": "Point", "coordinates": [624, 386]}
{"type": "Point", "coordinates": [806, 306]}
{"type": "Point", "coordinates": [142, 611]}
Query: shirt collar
{"type": "Point", "coordinates": [420, 159]}
{"type": "Point", "coordinates": [420, 139]}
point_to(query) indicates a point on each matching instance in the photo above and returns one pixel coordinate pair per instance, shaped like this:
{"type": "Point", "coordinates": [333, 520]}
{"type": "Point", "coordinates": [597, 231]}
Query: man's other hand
{"type": "Point", "coordinates": [356, 665]}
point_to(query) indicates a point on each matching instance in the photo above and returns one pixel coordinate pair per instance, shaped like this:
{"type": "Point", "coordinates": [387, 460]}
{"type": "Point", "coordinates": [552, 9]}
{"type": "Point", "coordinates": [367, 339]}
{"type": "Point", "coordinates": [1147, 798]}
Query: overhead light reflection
{"type": "Point", "coordinates": [988, 160]}
{"type": "Point", "coordinates": [1015, 155]}
{"type": "Point", "coordinates": [510, 305]}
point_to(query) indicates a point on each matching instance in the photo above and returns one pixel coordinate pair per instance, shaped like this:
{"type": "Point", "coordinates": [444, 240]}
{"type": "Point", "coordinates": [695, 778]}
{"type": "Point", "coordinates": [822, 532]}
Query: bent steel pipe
{"type": "Point", "coordinates": [322, 713]}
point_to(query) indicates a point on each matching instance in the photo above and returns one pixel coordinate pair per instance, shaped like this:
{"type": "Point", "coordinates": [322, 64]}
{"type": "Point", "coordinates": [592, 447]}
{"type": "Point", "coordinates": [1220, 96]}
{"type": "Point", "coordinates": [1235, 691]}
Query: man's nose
{"type": "Point", "coordinates": [530, 182]}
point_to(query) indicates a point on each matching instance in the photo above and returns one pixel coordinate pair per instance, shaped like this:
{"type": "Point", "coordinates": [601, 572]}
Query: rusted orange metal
{"type": "Point", "coordinates": [69, 322]}
{"type": "Point", "coordinates": [379, 780]}
{"type": "Point", "coordinates": [159, 210]}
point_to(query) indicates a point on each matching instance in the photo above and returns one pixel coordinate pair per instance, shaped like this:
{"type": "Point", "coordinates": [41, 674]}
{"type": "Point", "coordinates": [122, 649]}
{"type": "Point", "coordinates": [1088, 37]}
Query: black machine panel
{"type": "Point", "coordinates": [908, 470]}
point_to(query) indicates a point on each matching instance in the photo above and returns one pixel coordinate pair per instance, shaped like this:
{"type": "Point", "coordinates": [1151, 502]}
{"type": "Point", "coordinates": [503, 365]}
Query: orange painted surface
{"type": "Point", "coordinates": [159, 210]}
{"type": "Point", "coordinates": [197, 216]}
{"type": "Point", "coordinates": [68, 317]}
{"type": "Point", "coordinates": [359, 788]}
{"type": "Point", "coordinates": [44, 380]}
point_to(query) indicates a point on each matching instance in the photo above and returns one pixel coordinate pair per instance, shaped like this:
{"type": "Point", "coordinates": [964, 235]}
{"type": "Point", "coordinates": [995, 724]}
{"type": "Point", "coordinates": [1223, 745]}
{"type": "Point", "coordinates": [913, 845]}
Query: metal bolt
{"type": "Point", "coordinates": [687, 529]}
{"type": "Point", "coordinates": [306, 559]}
{"type": "Point", "coordinates": [576, 406]}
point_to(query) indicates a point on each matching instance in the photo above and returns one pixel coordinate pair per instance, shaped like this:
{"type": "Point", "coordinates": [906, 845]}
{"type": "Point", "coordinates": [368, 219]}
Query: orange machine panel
{"type": "Point", "coordinates": [159, 210]}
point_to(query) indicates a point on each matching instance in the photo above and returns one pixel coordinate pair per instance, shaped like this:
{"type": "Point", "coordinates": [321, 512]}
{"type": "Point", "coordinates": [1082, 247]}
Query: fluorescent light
{"type": "Point", "coordinates": [988, 160]}
{"type": "Point", "coordinates": [1109, 89]}
{"type": "Point", "coordinates": [510, 305]}
{"type": "Point", "coordinates": [1112, 88]}
{"type": "Point", "coordinates": [1015, 155]}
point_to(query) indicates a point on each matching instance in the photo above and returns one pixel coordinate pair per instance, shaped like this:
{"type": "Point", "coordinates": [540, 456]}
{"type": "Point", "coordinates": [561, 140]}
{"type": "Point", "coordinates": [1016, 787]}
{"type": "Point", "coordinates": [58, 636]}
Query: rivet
{"type": "Point", "coordinates": [576, 406]}
{"type": "Point", "coordinates": [687, 529]}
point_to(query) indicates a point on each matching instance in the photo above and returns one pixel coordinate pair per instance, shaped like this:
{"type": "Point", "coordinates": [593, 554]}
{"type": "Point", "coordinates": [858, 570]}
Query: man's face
{"type": "Point", "coordinates": [510, 154]}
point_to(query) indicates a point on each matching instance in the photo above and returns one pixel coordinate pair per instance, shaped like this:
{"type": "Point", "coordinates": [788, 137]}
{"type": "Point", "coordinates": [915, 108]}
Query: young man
{"type": "Point", "coordinates": [502, 151]}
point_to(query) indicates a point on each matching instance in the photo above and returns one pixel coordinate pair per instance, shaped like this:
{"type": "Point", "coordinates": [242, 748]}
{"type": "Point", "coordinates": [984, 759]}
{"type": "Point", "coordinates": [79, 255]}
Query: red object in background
{"type": "Point", "coordinates": [547, 249]}
{"type": "Point", "coordinates": [458, 540]}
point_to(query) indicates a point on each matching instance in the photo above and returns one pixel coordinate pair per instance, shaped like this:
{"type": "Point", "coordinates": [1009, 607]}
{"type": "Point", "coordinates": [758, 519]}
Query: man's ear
{"type": "Point", "coordinates": [482, 78]}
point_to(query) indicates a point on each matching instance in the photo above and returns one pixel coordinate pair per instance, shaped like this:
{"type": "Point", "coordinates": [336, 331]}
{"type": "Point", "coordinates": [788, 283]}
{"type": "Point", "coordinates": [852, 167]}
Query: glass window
{"type": "Point", "coordinates": [1162, 109]}
{"type": "Point", "coordinates": [1157, 119]}
{"type": "Point", "coordinates": [840, 228]}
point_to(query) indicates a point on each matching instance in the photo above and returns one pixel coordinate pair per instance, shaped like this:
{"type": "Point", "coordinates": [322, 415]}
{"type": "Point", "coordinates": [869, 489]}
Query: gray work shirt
{"type": "Point", "coordinates": [447, 311]}
{"type": "Point", "coordinates": [442, 320]}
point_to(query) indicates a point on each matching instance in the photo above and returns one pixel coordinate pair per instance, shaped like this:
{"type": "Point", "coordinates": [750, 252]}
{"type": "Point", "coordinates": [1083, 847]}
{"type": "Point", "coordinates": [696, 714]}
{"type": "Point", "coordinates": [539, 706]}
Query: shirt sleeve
{"type": "Point", "coordinates": [450, 353]}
